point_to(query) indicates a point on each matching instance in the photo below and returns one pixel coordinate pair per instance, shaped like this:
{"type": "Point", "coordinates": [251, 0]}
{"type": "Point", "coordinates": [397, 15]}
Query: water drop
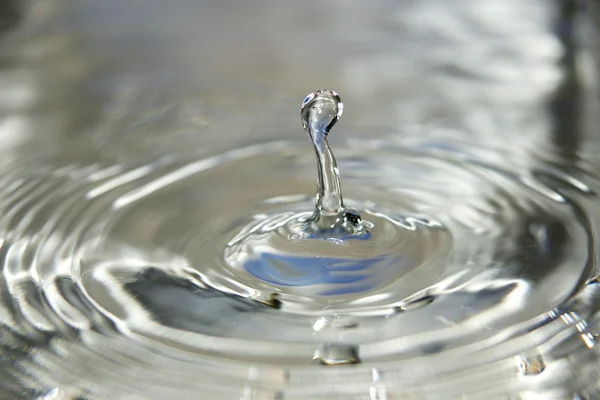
{"type": "Point", "coordinates": [530, 364]}
{"type": "Point", "coordinates": [339, 354]}
{"type": "Point", "coordinates": [320, 111]}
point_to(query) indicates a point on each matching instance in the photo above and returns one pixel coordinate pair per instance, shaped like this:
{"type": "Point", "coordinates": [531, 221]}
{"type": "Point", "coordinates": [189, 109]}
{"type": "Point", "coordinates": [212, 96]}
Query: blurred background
{"type": "Point", "coordinates": [129, 78]}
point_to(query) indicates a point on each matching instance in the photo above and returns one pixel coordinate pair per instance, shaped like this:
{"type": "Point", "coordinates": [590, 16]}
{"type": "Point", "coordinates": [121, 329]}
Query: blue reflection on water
{"type": "Point", "coordinates": [344, 275]}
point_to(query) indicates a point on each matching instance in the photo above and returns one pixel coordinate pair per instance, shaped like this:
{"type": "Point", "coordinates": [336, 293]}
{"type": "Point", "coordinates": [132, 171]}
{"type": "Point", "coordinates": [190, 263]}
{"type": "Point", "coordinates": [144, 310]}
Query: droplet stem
{"type": "Point", "coordinates": [320, 111]}
{"type": "Point", "coordinates": [329, 190]}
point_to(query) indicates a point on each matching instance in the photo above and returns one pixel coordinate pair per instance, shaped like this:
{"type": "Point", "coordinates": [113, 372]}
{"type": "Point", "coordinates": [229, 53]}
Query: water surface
{"type": "Point", "coordinates": [139, 139]}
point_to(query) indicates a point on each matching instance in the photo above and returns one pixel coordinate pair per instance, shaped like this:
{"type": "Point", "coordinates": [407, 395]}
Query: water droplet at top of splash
{"type": "Point", "coordinates": [320, 111]}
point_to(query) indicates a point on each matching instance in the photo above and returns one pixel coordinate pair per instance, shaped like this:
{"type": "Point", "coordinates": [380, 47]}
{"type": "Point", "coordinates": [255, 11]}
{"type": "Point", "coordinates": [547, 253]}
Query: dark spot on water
{"type": "Point", "coordinates": [433, 348]}
{"type": "Point", "coordinates": [418, 303]}
{"type": "Point", "coordinates": [353, 218]}
{"type": "Point", "coordinates": [273, 301]}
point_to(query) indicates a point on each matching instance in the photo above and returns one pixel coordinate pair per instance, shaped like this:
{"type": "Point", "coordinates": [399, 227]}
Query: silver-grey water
{"type": "Point", "coordinates": [139, 140]}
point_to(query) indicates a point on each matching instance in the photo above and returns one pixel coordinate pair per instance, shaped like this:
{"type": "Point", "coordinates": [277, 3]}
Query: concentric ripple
{"type": "Point", "coordinates": [336, 273]}
{"type": "Point", "coordinates": [105, 266]}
